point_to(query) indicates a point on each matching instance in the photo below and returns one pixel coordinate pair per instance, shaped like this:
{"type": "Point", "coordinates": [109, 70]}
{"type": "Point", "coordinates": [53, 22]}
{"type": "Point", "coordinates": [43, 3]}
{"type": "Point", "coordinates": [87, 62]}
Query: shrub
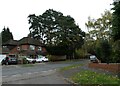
{"type": "Point", "coordinates": [103, 51]}
{"type": "Point", "coordinates": [56, 57]}
{"type": "Point", "coordinates": [80, 53]}
{"type": "Point", "coordinates": [116, 52]}
{"type": "Point", "coordinates": [24, 60]}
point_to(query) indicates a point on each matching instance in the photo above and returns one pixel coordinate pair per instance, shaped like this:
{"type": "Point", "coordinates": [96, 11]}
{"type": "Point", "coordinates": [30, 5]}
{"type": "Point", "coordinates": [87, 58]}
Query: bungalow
{"type": "Point", "coordinates": [24, 47]}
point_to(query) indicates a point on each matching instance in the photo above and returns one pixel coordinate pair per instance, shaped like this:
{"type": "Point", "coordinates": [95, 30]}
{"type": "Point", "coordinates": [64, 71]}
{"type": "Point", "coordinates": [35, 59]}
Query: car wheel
{"type": "Point", "coordinates": [27, 62]}
{"type": "Point", "coordinates": [7, 63]}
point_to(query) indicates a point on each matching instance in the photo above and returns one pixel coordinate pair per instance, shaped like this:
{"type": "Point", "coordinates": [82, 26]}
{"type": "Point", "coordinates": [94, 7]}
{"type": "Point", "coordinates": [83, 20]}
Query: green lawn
{"type": "Point", "coordinates": [71, 67]}
{"type": "Point", "coordinates": [89, 78]}
{"type": "Point", "coordinates": [27, 65]}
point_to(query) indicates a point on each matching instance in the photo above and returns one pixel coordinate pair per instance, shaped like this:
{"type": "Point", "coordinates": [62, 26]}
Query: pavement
{"type": "Point", "coordinates": [44, 73]}
{"type": "Point", "coordinates": [48, 76]}
{"type": "Point", "coordinates": [44, 77]}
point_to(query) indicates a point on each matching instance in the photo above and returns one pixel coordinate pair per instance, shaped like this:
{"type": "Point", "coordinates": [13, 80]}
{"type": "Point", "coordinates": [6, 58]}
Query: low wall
{"type": "Point", "coordinates": [112, 67]}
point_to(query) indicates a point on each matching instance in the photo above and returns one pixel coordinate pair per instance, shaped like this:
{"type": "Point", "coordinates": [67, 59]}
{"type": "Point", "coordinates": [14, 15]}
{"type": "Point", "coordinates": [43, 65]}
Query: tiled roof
{"type": "Point", "coordinates": [28, 40]}
{"type": "Point", "coordinates": [11, 42]}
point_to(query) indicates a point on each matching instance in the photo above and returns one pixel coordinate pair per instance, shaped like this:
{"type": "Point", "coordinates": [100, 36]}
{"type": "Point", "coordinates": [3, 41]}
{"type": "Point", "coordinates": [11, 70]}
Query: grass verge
{"type": "Point", "coordinates": [71, 67]}
{"type": "Point", "coordinates": [27, 65]}
{"type": "Point", "coordinates": [91, 78]}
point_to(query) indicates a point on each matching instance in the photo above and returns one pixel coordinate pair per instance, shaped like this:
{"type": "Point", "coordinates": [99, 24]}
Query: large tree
{"type": "Point", "coordinates": [100, 28]}
{"type": "Point", "coordinates": [6, 35]}
{"type": "Point", "coordinates": [56, 29]}
{"type": "Point", "coordinates": [116, 31]}
{"type": "Point", "coordinates": [116, 21]}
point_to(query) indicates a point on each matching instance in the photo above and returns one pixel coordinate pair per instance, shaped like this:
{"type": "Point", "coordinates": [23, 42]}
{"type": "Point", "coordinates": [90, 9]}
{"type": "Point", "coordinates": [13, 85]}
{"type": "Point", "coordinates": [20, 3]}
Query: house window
{"type": "Point", "coordinates": [39, 48]}
{"type": "Point", "coordinates": [18, 48]}
{"type": "Point", "coordinates": [32, 47]}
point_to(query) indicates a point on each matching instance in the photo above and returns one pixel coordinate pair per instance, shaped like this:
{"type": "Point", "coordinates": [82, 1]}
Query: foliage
{"type": "Point", "coordinates": [99, 40]}
{"type": "Point", "coordinates": [56, 31]}
{"type": "Point", "coordinates": [24, 60]}
{"type": "Point", "coordinates": [57, 50]}
{"type": "Point", "coordinates": [93, 78]}
{"type": "Point", "coordinates": [116, 52]}
{"type": "Point", "coordinates": [6, 35]}
{"type": "Point", "coordinates": [80, 53]}
{"type": "Point", "coordinates": [116, 21]}
{"type": "Point", "coordinates": [101, 27]}
{"type": "Point", "coordinates": [56, 58]}
{"type": "Point", "coordinates": [103, 51]}
{"type": "Point", "coordinates": [116, 32]}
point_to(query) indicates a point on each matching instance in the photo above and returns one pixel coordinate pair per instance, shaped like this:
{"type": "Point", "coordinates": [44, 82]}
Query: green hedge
{"type": "Point", "coordinates": [56, 57]}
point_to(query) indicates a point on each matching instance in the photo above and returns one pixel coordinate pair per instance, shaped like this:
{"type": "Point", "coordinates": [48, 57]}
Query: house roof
{"type": "Point", "coordinates": [28, 40]}
{"type": "Point", "coordinates": [10, 42]}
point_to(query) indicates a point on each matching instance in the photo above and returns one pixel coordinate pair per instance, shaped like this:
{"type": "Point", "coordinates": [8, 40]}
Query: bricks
{"type": "Point", "coordinates": [112, 67]}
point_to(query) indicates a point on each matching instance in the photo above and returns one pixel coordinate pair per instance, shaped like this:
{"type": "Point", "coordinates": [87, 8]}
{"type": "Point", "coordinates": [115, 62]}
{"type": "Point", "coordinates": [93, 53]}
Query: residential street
{"type": "Point", "coordinates": [42, 73]}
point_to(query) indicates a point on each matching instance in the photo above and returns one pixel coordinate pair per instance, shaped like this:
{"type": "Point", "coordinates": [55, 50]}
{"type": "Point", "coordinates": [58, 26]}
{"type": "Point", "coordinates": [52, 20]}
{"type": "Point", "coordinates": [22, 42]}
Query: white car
{"type": "Point", "coordinates": [94, 59]}
{"type": "Point", "coordinates": [41, 59]}
{"type": "Point", "coordinates": [30, 60]}
{"type": "Point", "coordinates": [2, 57]}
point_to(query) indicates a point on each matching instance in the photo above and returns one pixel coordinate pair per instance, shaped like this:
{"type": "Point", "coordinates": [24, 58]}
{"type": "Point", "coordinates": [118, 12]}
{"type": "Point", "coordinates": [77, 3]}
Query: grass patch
{"type": "Point", "coordinates": [89, 78]}
{"type": "Point", "coordinates": [71, 67]}
{"type": "Point", "coordinates": [27, 65]}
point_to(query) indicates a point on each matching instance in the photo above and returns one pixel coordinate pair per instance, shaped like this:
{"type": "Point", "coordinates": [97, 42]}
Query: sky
{"type": "Point", "coordinates": [14, 13]}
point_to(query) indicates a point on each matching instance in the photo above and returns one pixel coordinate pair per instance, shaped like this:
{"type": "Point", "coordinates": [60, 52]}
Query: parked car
{"type": "Point", "coordinates": [9, 60]}
{"type": "Point", "coordinates": [94, 59]}
{"type": "Point", "coordinates": [1, 58]}
{"type": "Point", "coordinates": [41, 59]}
{"type": "Point", "coordinates": [30, 60]}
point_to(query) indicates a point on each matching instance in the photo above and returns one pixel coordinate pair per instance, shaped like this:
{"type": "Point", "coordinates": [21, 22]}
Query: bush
{"type": "Point", "coordinates": [116, 52]}
{"type": "Point", "coordinates": [56, 57]}
{"type": "Point", "coordinates": [57, 50]}
{"type": "Point", "coordinates": [80, 53]}
{"type": "Point", "coordinates": [103, 51]}
{"type": "Point", "coordinates": [24, 60]}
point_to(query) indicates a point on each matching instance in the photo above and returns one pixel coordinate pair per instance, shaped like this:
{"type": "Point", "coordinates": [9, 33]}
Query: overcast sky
{"type": "Point", "coordinates": [14, 13]}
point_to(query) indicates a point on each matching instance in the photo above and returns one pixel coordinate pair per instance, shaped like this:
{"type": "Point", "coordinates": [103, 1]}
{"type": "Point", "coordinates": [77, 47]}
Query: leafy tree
{"type": "Point", "coordinates": [103, 50]}
{"type": "Point", "coordinates": [6, 35]}
{"type": "Point", "coordinates": [55, 29]}
{"type": "Point", "coordinates": [116, 31]}
{"type": "Point", "coordinates": [101, 27]}
{"type": "Point", "coordinates": [116, 21]}
{"type": "Point", "coordinates": [100, 30]}
{"type": "Point", "coordinates": [116, 52]}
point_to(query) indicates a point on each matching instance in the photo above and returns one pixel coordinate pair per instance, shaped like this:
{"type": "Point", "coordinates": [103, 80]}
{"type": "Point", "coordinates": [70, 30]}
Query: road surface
{"type": "Point", "coordinates": [42, 73]}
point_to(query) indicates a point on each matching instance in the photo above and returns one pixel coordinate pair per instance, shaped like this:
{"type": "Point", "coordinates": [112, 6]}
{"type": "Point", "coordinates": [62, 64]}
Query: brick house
{"type": "Point", "coordinates": [24, 47]}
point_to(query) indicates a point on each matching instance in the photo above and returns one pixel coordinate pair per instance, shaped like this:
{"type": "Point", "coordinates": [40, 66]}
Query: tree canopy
{"type": "Point", "coordinates": [116, 21]}
{"type": "Point", "coordinates": [6, 35]}
{"type": "Point", "coordinates": [100, 28]}
{"type": "Point", "coordinates": [53, 28]}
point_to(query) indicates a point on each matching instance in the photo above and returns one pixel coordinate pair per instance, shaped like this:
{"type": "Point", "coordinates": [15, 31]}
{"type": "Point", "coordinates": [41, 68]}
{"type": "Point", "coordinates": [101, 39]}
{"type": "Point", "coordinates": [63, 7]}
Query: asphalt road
{"type": "Point", "coordinates": [42, 73]}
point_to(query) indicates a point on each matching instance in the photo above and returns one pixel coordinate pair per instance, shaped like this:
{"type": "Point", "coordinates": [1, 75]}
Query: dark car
{"type": "Point", "coordinates": [9, 60]}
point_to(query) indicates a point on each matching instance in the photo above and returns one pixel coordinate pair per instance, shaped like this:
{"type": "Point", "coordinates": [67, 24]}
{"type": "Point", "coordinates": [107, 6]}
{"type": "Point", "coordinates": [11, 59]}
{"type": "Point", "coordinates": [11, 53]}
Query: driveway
{"type": "Point", "coordinates": [43, 73]}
